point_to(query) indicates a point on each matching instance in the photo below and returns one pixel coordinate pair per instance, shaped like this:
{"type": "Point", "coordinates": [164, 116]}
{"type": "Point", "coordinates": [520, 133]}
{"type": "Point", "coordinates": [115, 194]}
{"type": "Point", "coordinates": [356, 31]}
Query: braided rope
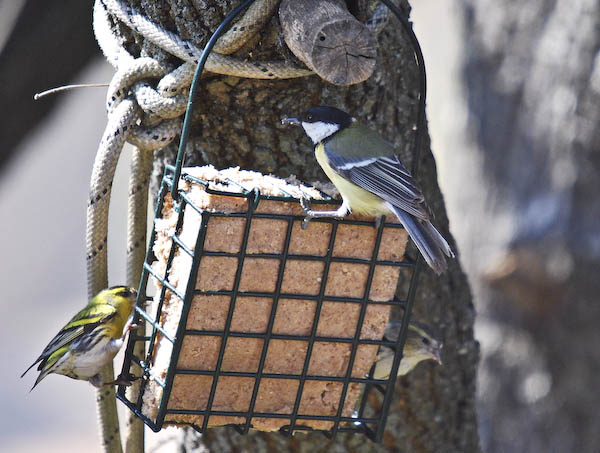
{"type": "Point", "coordinates": [127, 74]}
{"type": "Point", "coordinates": [139, 178]}
{"type": "Point", "coordinates": [186, 51]}
{"type": "Point", "coordinates": [109, 150]}
{"type": "Point", "coordinates": [124, 109]}
{"type": "Point", "coordinates": [254, 19]}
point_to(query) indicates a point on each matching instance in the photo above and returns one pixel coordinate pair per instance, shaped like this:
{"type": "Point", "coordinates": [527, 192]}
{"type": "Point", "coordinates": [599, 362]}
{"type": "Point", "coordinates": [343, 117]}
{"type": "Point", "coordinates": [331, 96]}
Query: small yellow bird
{"type": "Point", "coordinates": [91, 339]}
{"type": "Point", "coordinates": [421, 344]}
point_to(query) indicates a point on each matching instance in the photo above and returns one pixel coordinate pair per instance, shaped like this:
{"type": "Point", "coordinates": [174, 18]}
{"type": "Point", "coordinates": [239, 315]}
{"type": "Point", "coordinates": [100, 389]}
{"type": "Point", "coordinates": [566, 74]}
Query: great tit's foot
{"type": "Point", "coordinates": [307, 208]}
{"type": "Point", "coordinates": [305, 222]}
{"type": "Point", "coordinates": [378, 222]}
{"type": "Point", "coordinates": [306, 204]}
{"type": "Point", "coordinates": [342, 211]}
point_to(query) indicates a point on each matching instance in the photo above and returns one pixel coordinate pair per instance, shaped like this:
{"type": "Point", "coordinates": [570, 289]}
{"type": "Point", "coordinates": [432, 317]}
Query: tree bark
{"type": "Point", "coordinates": [237, 123]}
{"type": "Point", "coordinates": [532, 73]}
{"type": "Point", "coordinates": [328, 39]}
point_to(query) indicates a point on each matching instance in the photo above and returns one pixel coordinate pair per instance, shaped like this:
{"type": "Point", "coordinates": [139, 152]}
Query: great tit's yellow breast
{"type": "Point", "coordinates": [358, 199]}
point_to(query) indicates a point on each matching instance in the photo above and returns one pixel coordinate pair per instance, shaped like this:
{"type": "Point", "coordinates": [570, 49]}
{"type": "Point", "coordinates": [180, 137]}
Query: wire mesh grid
{"type": "Point", "coordinates": [347, 415]}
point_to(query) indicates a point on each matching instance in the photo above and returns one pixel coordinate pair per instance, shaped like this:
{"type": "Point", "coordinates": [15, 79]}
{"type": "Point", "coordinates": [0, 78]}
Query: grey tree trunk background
{"type": "Point", "coordinates": [237, 123]}
{"type": "Point", "coordinates": [532, 75]}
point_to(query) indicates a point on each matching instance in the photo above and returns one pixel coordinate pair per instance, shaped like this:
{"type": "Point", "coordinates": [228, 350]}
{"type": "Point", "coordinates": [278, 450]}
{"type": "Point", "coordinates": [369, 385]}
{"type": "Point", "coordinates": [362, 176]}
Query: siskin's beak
{"type": "Point", "coordinates": [291, 120]}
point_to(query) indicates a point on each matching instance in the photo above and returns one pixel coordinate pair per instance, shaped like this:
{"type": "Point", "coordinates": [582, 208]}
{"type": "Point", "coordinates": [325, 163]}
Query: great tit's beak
{"type": "Point", "coordinates": [291, 120]}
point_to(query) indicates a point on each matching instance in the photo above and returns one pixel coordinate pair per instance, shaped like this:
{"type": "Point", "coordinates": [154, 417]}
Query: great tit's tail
{"type": "Point", "coordinates": [428, 240]}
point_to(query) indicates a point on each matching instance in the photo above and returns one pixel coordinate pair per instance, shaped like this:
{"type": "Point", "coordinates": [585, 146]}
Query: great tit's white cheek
{"type": "Point", "coordinates": [319, 130]}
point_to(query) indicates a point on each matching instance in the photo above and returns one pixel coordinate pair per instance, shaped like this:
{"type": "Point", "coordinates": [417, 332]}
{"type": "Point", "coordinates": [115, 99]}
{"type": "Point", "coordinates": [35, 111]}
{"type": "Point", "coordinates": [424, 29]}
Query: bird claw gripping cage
{"type": "Point", "coordinates": [228, 351]}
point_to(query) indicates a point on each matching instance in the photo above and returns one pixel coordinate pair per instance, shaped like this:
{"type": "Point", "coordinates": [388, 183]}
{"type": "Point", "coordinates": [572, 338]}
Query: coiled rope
{"type": "Point", "coordinates": [149, 117]}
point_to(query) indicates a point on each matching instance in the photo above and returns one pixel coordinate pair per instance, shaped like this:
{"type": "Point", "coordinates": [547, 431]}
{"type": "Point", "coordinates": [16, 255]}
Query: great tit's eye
{"type": "Point", "coordinates": [309, 117]}
{"type": "Point", "coordinates": [425, 341]}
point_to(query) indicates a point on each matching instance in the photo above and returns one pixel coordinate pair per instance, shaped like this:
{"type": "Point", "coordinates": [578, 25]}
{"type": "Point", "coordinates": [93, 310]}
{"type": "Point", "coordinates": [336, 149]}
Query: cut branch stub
{"type": "Point", "coordinates": [328, 39]}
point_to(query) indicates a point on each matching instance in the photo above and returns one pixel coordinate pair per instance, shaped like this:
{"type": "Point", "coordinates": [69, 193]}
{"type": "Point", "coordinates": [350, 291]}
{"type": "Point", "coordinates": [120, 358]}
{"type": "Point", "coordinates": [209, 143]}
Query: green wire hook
{"type": "Point", "coordinates": [185, 131]}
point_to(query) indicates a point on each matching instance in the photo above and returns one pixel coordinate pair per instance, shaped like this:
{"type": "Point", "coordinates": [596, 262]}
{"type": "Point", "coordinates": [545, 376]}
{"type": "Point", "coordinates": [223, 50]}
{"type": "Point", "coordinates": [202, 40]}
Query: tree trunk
{"type": "Point", "coordinates": [532, 73]}
{"type": "Point", "coordinates": [237, 123]}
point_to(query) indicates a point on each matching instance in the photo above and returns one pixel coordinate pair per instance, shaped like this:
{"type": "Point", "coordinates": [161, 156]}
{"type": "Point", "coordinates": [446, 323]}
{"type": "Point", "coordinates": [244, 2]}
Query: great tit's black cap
{"type": "Point", "coordinates": [320, 113]}
{"type": "Point", "coordinates": [326, 114]}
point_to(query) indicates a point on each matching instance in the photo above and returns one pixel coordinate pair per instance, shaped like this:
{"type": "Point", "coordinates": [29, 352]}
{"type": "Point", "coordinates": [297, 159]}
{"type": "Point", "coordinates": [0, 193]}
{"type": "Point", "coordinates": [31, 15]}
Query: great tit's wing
{"type": "Point", "coordinates": [384, 176]}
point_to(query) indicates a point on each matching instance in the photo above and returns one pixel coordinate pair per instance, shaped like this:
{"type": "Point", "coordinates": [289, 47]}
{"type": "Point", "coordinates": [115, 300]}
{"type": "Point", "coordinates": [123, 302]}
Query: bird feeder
{"type": "Point", "coordinates": [257, 323]}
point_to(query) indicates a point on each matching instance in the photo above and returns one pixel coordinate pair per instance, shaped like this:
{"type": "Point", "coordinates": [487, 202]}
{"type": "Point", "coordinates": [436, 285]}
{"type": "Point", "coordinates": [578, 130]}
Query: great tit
{"type": "Point", "coordinates": [421, 344]}
{"type": "Point", "coordinates": [370, 177]}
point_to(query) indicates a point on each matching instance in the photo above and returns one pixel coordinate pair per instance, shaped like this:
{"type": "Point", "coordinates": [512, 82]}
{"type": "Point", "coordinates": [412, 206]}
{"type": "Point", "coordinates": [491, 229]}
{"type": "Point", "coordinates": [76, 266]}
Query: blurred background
{"type": "Point", "coordinates": [514, 116]}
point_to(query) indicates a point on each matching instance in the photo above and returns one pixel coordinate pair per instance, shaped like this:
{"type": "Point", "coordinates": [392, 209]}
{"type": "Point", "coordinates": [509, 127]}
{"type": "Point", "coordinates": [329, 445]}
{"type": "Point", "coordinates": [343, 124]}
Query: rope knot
{"type": "Point", "coordinates": [159, 123]}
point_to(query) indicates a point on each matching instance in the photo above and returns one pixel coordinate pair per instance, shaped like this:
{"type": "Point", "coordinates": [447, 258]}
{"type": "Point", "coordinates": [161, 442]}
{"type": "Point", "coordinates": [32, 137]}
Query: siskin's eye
{"type": "Point", "coordinates": [425, 341]}
{"type": "Point", "coordinates": [126, 293]}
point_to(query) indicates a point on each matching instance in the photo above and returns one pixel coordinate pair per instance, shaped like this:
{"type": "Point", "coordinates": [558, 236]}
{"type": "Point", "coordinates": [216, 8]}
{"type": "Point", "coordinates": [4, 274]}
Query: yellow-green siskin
{"type": "Point", "coordinates": [91, 339]}
{"type": "Point", "coordinates": [421, 344]}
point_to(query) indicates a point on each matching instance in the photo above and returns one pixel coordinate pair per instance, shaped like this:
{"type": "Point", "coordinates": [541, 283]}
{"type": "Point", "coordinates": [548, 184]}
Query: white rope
{"type": "Point", "coordinates": [109, 150]}
{"type": "Point", "coordinates": [186, 51]}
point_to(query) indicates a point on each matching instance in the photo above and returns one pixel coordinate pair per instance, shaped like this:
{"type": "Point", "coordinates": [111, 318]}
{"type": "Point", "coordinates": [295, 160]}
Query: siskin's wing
{"type": "Point", "coordinates": [83, 322]}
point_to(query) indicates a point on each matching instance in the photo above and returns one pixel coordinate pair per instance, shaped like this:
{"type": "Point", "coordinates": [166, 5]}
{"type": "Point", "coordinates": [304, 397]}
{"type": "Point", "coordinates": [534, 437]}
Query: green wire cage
{"type": "Point", "coordinates": [214, 388]}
